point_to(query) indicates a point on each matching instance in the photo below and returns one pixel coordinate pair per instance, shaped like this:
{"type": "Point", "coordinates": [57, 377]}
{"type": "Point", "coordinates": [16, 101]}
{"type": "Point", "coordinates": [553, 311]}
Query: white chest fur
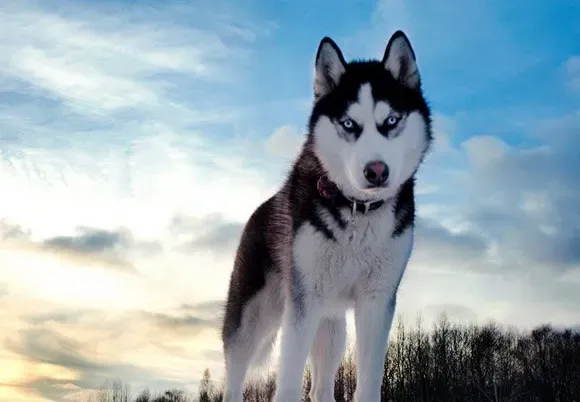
{"type": "Point", "coordinates": [368, 260]}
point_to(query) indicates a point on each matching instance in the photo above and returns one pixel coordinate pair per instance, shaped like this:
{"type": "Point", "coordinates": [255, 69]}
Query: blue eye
{"type": "Point", "coordinates": [392, 121]}
{"type": "Point", "coordinates": [349, 125]}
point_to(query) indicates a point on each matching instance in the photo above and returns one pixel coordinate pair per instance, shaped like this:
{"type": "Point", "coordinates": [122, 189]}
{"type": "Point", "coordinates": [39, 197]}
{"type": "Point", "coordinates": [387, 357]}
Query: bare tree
{"type": "Point", "coordinates": [450, 362]}
{"type": "Point", "coordinates": [113, 391]}
{"type": "Point", "coordinates": [144, 396]}
{"type": "Point", "coordinates": [173, 395]}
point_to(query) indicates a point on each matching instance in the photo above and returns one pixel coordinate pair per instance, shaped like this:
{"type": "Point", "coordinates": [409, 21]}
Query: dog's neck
{"type": "Point", "coordinates": [330, 191]}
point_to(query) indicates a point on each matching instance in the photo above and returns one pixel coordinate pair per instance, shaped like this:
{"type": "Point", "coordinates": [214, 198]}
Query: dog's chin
{"type": "Point", "coordinates": [368, 193]}
{"type": "Point", "coordinates": [373, 193]}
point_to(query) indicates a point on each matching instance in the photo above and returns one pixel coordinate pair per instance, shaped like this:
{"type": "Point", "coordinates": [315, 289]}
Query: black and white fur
{"type": "Point", "coordinates": [305, 258]}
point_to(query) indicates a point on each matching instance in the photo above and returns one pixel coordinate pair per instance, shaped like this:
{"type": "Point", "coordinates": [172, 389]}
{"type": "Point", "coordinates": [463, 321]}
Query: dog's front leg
{"type": "Point", "coordinates": [373, 319]}
{"type": "Point", "coordinates": [299, 325]}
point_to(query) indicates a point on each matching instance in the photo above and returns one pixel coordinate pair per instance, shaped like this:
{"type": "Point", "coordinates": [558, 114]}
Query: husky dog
{"type": "Point", "coordinates": [337, 235]}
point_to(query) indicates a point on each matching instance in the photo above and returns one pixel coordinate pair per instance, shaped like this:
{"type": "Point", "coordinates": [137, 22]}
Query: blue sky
{"type": "Point", "coordinates": [136, 138]}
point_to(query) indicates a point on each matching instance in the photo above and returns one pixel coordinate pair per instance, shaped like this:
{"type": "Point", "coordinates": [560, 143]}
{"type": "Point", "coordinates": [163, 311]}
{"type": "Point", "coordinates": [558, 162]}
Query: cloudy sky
{"type": "Point", "coordinates": [136, 139]}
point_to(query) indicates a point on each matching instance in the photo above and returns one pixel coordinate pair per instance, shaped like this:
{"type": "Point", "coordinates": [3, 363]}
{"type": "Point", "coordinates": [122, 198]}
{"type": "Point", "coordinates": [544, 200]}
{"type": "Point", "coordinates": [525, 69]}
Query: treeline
{"type": "Point", "coordinates": [451, 362]}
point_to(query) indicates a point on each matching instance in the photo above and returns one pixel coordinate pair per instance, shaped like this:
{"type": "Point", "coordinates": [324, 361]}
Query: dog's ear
{"type": "Point", "coordinates": [399, 59]}
{"type": "Point", "coordinates": [329, 67]}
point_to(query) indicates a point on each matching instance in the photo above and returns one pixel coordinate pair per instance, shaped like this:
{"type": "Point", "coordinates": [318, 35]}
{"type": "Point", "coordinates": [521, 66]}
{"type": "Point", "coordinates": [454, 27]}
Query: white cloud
{"type": "Point", "coordinates": [99, 61]}
{"type": "Point", "coordinates": [484, 151]}
{"type": "Point", "coordinates": [444, 129]}
{"type": "Point", "coordinates": [285, 142]}
{"type": "Point", "coordinates": [77, 83]}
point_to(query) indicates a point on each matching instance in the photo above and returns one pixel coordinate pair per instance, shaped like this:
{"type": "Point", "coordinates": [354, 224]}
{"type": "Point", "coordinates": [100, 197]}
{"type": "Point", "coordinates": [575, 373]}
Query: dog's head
{"type": "Point", "coordinates": [370, 125]}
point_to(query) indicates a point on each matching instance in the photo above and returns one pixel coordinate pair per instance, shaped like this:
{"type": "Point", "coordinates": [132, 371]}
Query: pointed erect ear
{"type": "Point", "coordinates": [330, 66]}
{"type": "Point", "coordinates": [399, 59]}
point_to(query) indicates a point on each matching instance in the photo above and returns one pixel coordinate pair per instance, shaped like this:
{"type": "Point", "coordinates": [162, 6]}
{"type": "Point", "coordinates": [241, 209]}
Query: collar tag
{"type": "Point", "coordinates": [367, 206]}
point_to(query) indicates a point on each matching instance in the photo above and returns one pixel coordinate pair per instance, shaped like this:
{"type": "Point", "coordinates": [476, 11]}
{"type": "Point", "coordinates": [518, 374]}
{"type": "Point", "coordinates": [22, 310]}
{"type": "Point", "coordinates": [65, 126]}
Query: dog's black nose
{"type": "Point", "coordinates": [376, 172]}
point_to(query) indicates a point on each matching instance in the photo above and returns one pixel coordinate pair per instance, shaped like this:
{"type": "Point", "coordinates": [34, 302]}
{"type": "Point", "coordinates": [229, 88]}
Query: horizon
{"type": "Point", "coordinates": [136, 140]}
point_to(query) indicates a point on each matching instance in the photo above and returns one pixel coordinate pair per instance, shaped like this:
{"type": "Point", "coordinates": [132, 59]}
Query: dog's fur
{"type": "Point", "coordinates": [306, 256]}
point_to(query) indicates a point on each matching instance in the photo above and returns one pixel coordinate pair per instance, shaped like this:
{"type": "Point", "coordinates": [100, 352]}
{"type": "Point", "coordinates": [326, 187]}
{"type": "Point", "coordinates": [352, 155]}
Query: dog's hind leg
{"type": "Point", "coordinates": [243, 343]}
{"type": "Point", "coordinates": [238, 353]}
{"type": "Point", "coordinates": [325, 355]}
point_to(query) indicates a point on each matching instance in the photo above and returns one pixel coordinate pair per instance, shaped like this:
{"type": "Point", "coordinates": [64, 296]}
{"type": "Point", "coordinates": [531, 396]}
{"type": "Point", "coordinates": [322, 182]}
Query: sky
{"type": "Point", "coordinates": [136, 138]}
